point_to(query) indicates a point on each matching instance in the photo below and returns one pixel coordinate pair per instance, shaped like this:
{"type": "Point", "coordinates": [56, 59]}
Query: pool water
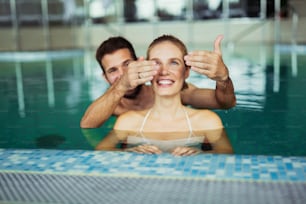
{"type": "Point", "coordinates": [43, 98]}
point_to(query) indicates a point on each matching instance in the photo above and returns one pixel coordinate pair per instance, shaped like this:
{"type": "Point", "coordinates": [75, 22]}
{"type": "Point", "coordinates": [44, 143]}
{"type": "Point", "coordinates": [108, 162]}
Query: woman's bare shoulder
{"type": "Point", "coordinates": [129, 120]}
{"type": "Point", "coordinates": [205, 119]}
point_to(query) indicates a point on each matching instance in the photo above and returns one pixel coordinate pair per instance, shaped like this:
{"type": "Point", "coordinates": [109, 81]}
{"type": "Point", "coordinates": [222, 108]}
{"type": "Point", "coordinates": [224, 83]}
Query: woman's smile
{"type": "Point", "coordinates": [162, 82]}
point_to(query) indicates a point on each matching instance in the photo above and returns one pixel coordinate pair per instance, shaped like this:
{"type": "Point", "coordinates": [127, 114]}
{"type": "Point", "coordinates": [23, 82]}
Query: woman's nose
{"type": "Point", "coordinates": [163, 70]}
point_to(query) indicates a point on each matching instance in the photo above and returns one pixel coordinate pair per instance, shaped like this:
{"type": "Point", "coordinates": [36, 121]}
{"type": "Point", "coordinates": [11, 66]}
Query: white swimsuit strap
{"type": "Point", "coordinates": [188, 120]}
{"type": "Point", "coordinates": [144, 121]}
{"type": "Point", "coordinates": [189, 123]}
{"type": "Point", "coordinates": [142, 126]}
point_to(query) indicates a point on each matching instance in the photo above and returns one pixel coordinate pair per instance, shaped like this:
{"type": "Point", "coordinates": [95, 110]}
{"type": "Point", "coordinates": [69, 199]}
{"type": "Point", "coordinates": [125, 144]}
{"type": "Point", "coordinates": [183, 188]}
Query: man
{"type": "Point", "coordinates": [127, 77]}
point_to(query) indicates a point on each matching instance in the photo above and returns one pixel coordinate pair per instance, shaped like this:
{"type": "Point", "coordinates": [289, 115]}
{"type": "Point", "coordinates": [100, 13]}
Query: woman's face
{"type": "Point", "coordinates": [172, 71]}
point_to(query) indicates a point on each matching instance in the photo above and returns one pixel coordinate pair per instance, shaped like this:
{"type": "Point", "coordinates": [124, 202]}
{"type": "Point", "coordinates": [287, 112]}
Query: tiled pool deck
{"type": "Point", "coordinates": [271, 168]}
{"type": "Point", "coordinates": [27, 167]}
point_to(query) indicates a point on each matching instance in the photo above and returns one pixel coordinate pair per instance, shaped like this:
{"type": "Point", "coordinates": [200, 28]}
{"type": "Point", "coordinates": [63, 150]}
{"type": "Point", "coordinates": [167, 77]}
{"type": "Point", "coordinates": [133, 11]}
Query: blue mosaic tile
{"type": "Point", "coordinates": [250, 167]}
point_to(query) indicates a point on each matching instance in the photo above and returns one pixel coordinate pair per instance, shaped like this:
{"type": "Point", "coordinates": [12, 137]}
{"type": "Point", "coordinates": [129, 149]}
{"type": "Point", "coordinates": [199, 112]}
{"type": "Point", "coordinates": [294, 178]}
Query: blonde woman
{"type": "Point", "coordinates": [168, 126]}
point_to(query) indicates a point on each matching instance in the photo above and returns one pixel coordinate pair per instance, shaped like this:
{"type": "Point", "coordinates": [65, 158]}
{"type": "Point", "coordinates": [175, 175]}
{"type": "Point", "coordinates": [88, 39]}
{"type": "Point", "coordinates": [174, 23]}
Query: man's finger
{"type": "Point", "coordinates": [141, 58]}
{"type": "Point", "coordinates": [217, 44]}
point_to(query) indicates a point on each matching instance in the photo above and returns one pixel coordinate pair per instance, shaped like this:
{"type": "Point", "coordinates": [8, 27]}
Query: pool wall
{"type": "Point", "coordinates": [53, 176]}
{"type": "Point", "coordinates": [195, 32]}
{"type": "Point", "coordinates": [75, 37]}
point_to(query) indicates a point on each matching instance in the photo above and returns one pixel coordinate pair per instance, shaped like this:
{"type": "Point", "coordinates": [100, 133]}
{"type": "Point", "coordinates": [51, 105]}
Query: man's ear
{"type": "Point", "coordinates": [104, 77]}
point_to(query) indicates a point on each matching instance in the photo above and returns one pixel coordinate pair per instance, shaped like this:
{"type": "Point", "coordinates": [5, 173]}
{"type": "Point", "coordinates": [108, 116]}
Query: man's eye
{"type": "Point", "coordinates": [111, 71]}
{"type": "Point", "coordinates": [126, 64]}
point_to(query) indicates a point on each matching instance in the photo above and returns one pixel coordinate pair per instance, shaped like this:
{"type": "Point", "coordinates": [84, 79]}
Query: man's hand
{"type": "Point", "coordinates": [209, 63]}
{"type": "Point", "coordinates": [139, 72]}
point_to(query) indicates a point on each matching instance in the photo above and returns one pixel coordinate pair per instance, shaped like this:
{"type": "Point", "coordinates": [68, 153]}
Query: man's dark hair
{"type": "Point", "coordinates": [111, 45]}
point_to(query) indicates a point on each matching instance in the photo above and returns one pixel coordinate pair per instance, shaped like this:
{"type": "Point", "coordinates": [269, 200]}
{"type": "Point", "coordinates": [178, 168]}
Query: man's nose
{"type": "Point", "coordinates": [121, 70]}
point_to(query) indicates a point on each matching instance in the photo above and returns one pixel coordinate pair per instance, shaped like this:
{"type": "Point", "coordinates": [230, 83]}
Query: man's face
{"type": "Point", "coordinates": [116, 63]}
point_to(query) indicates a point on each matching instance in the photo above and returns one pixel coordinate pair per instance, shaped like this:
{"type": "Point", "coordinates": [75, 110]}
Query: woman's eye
{"type": "Point", "coordinates": [174, 63]}
{"type": "Point", "coordinates": [157, 62]}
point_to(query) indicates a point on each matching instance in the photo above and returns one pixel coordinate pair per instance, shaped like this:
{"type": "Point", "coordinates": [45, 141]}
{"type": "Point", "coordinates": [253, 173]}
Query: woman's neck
{"type": "Point", "coordinates": [168, 108]}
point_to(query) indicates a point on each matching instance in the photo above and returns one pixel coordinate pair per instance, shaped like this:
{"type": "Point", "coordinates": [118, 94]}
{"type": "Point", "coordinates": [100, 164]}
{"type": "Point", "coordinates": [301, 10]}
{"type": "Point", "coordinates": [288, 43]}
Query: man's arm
{"type": "Point", "coordinates": [210, 64]}
{"type": "Point", "coordinates": [103, 107]}
{"type": "Point", "coordinates": [225, 94]}
{"type": "Point", "coordinates": [109, 142]}
{"type": "Point", "coordinates": [223, 97]}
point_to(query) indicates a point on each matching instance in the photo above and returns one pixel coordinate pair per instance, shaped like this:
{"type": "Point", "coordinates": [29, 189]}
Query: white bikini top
{"type": "Point", "coordinates": [165, 145]}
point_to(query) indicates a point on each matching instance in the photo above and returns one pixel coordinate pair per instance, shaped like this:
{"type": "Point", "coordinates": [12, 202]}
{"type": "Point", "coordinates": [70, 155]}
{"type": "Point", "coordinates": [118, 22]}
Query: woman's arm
{"type": "Point", "coordinates": [210, 125]}
{"type": "Point", "coordinates": [219, 142]}
{"type": "Point", "coordinates": [109, 143]}
{"type": "Point", "coordinates": [125, 125]}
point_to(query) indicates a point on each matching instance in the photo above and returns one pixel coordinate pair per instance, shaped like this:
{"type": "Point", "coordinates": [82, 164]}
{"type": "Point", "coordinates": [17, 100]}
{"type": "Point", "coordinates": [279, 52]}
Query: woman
{"type": "Point", "coordinates": [169, 125]}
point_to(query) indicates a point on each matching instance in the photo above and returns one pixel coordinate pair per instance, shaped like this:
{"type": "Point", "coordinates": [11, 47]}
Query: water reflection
{"type": "Point", "coordinates": [47, 58]}
{"type": "Point", "coordinates": [50, 141]}
{"type": "Point", "coordinates": [208, 141]}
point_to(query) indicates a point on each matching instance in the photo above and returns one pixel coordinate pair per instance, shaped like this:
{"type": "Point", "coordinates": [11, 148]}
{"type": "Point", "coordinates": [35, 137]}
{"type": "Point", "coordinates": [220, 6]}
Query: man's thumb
{"type": "Point", "coordinates": [217, 44]}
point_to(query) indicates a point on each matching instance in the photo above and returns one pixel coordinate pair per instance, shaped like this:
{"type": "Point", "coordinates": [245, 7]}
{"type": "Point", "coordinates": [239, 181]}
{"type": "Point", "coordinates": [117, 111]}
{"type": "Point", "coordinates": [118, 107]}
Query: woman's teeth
{"type": "Point", "coordinates": [165, 82]}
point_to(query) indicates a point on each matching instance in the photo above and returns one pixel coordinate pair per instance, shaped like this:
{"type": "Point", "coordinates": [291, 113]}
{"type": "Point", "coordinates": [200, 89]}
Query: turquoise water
{"type": "Point", "coordinates": [43, 97]}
